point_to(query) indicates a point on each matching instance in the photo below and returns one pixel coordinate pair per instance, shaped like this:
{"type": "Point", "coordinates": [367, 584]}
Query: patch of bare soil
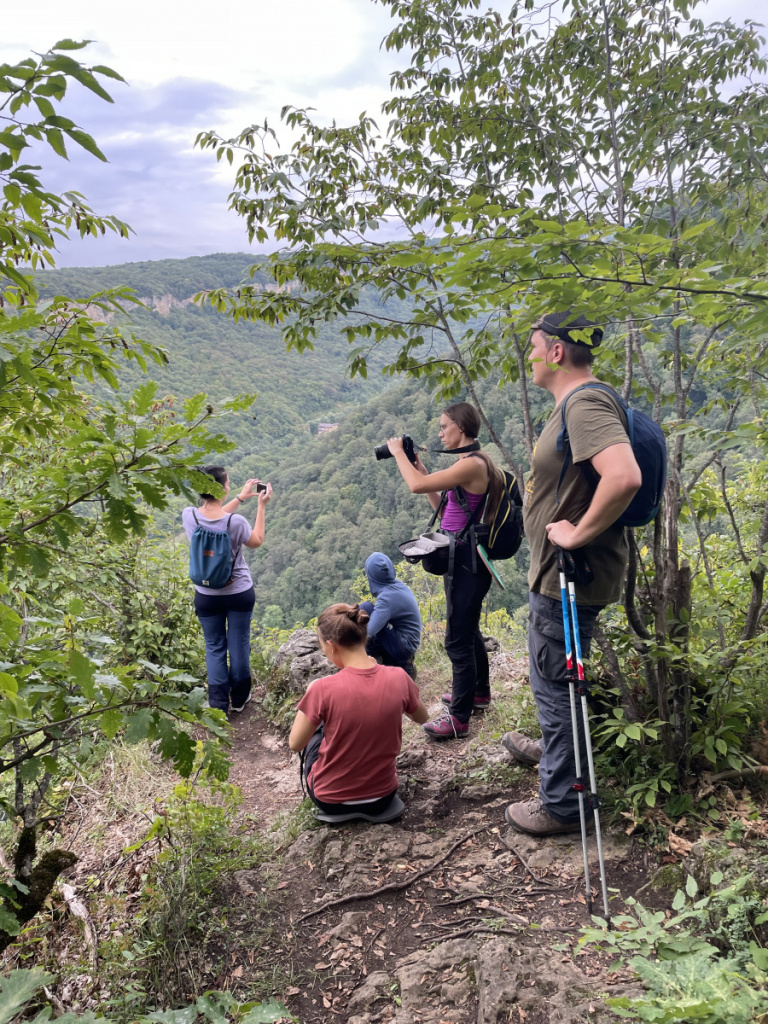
{"type": "Point", "coordinates": [263, 766]}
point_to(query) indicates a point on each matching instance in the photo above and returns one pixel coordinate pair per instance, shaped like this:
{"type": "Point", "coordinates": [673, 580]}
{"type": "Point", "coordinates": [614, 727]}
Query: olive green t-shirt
{"type": "Point", "coordinates": [595, 421]}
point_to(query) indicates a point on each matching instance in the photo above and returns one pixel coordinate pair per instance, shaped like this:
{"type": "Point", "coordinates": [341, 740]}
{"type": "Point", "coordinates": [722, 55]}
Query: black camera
{"type": "Point", "coordinates": [383, 452]}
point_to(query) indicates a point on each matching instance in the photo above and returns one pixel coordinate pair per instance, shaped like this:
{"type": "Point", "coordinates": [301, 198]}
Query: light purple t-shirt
{"type": "Point", "coordinates": [239, 532]}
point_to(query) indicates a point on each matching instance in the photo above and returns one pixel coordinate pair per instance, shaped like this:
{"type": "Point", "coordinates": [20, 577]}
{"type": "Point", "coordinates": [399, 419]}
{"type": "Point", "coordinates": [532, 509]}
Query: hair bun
{"type": "Point", "coordinates": [344, 624]}
{"type": "Point", "coordinates": [357, 614]}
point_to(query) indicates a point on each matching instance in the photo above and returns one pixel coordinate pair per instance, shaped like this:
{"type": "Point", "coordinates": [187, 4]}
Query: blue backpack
{"type": "Point", "coordinates": [210, 556]}
{"type": "Point", "coordinates": [650, 450]}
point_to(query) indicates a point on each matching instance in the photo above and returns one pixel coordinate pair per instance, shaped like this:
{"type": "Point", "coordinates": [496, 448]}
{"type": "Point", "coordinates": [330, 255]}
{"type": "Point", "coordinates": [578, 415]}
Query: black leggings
{"type": "Point", "coordinates": [463, 641]}
{"type": "Point", "coordinates": [311, 751]}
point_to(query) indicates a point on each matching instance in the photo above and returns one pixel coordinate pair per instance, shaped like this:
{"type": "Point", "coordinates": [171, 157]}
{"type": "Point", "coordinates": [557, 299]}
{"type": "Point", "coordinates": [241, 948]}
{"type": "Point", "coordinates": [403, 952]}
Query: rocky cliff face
{"type": "Point", "coordinates": [163, 304]}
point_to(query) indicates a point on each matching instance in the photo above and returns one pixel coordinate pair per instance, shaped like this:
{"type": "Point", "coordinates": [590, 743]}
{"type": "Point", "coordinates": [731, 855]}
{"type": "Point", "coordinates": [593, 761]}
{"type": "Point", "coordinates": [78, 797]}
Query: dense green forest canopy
{"type": "Point", "coordinates": [335, 503]}
{"type": "Point", "coordinates": [210, 354]}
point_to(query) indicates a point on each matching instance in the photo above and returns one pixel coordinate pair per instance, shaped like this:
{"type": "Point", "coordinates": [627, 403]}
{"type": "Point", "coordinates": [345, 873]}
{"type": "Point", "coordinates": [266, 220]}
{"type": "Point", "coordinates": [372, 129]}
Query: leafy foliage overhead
{"type": "Point", "coordinates": [82, 465]}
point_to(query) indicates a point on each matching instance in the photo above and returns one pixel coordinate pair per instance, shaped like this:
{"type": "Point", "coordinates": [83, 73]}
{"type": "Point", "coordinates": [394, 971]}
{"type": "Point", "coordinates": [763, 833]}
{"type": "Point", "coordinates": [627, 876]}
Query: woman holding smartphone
{"type": "Point", "coordinates": [225, 613]}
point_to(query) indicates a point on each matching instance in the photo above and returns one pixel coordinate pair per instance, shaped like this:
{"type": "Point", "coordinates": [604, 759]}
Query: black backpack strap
{"type": "Point", "coordinates": [564, 443]}
{"type": "Point", "coordinates": [438, 511]}
{"type": "Point", "coordinates": [194, 516]}
{"type": "Point", "coordinates": [301, 772]}
{"type": "Point", "coordinates": [469, 526]}
{"type": "Point", "coordinates": [449, 576]}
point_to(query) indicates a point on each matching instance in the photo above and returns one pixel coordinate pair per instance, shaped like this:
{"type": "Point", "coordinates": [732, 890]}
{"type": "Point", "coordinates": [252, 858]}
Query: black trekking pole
{"type": "Point", "coordinates": [566, 566]}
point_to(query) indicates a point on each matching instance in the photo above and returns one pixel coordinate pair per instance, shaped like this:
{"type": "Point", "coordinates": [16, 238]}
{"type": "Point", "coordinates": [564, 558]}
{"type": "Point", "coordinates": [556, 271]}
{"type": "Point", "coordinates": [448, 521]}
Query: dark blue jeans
{"type": "Point", "coordinates": [549, 683]}
{"type": "Point", "coordinates": [463, 642]}
{"type": "Point", "coordinates": [386, 644]}
{"type": "Point", "coordinates": [226, 625]}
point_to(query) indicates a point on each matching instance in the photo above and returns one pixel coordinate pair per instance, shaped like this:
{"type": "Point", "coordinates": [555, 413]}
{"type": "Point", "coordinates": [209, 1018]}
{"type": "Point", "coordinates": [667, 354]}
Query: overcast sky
{"type": "Point", "coordinates": [191, 67]}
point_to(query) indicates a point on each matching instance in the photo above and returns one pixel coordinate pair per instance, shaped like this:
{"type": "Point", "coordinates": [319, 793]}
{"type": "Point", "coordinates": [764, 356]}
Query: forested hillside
{"type": "Point", "coordinates": [221, 357]}
{"type": "Point", "coordinates": [334, 503]}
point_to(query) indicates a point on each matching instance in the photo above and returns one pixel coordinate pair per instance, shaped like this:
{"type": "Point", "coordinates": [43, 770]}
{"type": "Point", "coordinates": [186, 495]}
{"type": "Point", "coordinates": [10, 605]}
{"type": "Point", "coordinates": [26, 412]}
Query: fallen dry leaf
{"type": "Point", "coordinates": [678, 844]}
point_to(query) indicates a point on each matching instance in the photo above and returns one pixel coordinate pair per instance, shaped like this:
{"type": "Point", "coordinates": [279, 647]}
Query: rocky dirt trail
{"type": "Point", "coordinates": [447, 916]}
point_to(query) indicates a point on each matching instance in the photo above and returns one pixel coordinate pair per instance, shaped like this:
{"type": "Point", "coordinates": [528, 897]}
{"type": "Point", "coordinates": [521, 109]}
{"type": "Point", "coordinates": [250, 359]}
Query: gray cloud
{"type": "Point", "coordinates": [155, 180]}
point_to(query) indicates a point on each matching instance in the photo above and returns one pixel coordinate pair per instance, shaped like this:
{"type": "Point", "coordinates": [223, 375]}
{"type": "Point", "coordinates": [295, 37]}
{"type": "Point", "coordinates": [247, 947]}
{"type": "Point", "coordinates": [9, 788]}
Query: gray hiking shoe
{"type": "Point", "coordinates": [522, 749]}
{"type": "Point", "coordinates": [531, 817]}
{"type": "Point", "coordinates": [236, 711]}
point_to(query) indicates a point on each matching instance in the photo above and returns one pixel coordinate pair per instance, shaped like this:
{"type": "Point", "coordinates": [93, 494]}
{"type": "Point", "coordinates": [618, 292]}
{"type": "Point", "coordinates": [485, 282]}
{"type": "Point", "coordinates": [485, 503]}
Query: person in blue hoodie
{"type": "Point", "coordinates": [394, 628]}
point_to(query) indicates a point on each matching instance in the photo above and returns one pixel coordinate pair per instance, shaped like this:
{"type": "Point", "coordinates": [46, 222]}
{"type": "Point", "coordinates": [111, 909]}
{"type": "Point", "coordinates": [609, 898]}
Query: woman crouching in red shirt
{"type": "Point", "coordinates": [351, 723]}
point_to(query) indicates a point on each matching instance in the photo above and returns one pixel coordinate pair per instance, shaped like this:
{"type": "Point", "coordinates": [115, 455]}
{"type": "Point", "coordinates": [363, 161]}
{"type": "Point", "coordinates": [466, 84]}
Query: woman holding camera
{"type": "Point", "coordinates": [225, 613]}
{"type": "Point", "coordinates": [351, 724]}
{"type": "Point", "coordinates": [483, 484]}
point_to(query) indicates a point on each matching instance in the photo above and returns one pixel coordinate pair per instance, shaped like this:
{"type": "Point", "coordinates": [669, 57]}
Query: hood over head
{"type": "Point", "coordinates": [380, 571]}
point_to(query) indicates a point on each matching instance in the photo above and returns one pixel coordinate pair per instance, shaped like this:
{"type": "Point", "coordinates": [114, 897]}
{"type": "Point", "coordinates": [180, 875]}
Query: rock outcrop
{"type": "Point", "coordinates": [304, 660]}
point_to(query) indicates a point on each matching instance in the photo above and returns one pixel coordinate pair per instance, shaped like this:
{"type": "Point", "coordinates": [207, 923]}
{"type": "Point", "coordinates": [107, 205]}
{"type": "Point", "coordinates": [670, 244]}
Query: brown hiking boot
{"type": "Point", "coordinates": [522, 749]}
{"type": "Point", "coordinates": [532, 817]}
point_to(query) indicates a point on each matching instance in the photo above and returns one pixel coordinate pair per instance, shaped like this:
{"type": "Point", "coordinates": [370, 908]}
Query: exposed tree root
{"type": "Point", "coordinates": [392, 886]}
{"type": "Point", "coordinates": [526, 865]}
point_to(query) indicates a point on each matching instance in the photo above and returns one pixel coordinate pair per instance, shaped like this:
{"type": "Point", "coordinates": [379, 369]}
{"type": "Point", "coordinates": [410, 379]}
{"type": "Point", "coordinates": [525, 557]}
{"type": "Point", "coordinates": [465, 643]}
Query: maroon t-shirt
{"type": "Point", "coordinates": [362, 711]}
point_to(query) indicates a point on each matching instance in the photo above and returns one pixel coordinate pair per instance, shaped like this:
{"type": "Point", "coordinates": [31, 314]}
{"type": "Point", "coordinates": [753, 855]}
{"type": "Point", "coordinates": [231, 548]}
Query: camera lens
{"type": "Point", "coordinates": [382, 452]}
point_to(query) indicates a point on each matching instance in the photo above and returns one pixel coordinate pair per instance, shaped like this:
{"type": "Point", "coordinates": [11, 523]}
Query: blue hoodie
{"type": "Point", "coordinates": [395, 603]}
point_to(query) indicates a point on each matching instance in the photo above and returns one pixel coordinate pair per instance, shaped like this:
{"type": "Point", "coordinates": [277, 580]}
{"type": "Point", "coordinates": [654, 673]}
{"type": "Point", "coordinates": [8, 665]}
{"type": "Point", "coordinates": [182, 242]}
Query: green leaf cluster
{"type": "Point", "coordinates": [21, 987]}
{"type": "Point", "coordinates": [84, 463]}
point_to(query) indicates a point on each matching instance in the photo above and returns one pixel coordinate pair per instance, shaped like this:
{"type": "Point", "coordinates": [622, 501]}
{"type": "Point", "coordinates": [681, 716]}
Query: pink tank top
{"type": "Point", "coordinates": [454, 519]}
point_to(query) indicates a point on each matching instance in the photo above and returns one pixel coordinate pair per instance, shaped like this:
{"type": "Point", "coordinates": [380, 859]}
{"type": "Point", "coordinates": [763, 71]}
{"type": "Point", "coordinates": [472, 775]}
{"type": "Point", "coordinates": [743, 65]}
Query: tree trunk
{"type": "Point", "coordinates": [38, 878]}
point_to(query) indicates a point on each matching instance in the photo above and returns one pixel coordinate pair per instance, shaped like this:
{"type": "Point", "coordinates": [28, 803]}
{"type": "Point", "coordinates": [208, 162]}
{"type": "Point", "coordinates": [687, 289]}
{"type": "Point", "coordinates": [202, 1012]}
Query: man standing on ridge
{"type": "Point", "coordinates": [578, 514]}
{"type": "Point", "coordinates": [394, 629]}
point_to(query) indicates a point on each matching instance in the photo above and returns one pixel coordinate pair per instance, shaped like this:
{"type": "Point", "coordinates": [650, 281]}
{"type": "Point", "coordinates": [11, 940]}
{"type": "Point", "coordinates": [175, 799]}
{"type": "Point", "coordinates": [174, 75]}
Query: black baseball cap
{"type": "Point", "coordinates": [561, 324]}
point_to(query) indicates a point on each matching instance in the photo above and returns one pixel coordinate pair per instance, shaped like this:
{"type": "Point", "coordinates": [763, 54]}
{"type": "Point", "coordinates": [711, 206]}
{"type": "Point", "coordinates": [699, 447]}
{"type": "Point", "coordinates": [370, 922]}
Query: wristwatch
{"type": "Point", "coordinates": [241, 500]}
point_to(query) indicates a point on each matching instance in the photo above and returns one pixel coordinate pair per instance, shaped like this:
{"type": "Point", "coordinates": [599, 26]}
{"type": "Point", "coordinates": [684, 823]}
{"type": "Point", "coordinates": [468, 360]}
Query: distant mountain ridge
{"type": "Point", "coordinates": [212, 353]}
{"type": "Point", "coordinates": [154, 278]}
{"type": "Point", "coordinates": [161, 285]}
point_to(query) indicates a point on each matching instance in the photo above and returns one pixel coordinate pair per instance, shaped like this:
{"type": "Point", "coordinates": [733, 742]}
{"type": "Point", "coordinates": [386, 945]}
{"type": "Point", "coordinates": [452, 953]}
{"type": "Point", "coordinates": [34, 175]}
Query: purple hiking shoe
{"type": "Point", "coordinates": [448, 727]}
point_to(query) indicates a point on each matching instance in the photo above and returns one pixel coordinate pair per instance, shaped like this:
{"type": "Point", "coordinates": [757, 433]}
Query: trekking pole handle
{"type": "Point", "coordinates": [566, 563]}
{"type": "Point", "coordinates": [574, 565]}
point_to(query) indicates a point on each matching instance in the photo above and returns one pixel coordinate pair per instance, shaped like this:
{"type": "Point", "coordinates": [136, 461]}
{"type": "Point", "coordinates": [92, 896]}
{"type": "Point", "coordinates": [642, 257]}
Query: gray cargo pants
{"type": "Point", "coordinates": [549, 683]}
